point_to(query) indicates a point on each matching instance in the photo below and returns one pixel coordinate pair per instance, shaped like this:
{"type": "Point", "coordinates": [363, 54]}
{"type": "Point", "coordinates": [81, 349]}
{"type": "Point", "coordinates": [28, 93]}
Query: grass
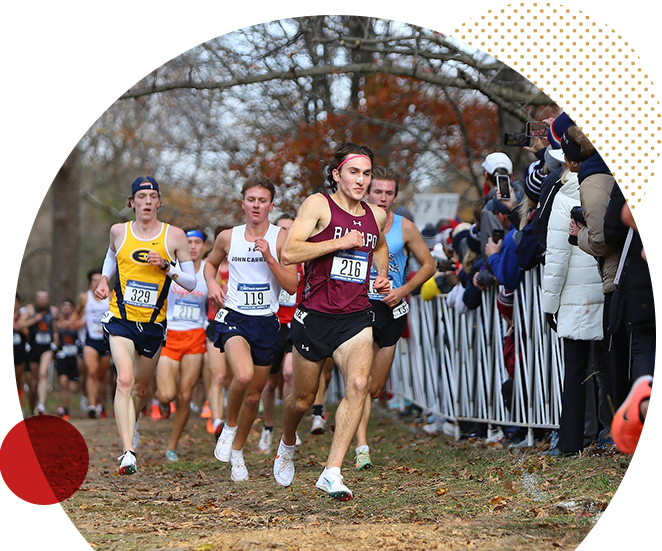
{"type": "Point", "coordinates": [430, 490]}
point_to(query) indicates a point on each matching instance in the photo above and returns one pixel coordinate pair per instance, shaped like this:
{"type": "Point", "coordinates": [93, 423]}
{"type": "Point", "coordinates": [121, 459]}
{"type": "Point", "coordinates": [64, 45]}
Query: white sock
{"type": "Point", "coordinates": [227, 429]}
{"type": "Point", "coordinates": [217, 422]}
{"type": "Point", "coordinates": [362, 449]}
{"type": "Point", "coordinates": [285, 446]}
{"type": "Point", "coordinates": [331, 471]}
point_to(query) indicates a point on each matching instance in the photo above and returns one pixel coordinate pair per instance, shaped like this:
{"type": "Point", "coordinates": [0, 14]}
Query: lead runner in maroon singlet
{"type": "Point", "coordinates": [338, 236]}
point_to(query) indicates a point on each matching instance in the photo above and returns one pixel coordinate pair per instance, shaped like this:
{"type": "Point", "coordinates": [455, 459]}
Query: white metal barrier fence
{"type": "Point", "coordinates": [453, 364]}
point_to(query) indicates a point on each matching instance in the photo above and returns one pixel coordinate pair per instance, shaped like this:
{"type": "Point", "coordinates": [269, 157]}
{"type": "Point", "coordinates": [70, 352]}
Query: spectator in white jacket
{"type": "Point", "coordinates": [572, 293]}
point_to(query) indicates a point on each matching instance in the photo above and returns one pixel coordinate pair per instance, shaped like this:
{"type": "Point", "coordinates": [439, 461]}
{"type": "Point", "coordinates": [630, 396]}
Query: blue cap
{"type": "Point", "coordinates": [144, 182]}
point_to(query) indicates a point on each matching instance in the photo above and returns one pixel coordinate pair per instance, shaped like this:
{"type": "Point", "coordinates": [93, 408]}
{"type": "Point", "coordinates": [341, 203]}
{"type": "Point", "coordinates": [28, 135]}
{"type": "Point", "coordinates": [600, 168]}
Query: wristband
{"type": "Point", "coordinates": [166, 263]}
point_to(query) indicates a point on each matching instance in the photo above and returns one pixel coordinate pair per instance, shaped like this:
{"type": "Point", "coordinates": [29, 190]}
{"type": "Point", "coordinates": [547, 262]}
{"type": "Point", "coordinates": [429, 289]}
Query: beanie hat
{"type": "Point", "coordinates": [561, 123]}
{"type": "Point", "coordinates": [644, 115]}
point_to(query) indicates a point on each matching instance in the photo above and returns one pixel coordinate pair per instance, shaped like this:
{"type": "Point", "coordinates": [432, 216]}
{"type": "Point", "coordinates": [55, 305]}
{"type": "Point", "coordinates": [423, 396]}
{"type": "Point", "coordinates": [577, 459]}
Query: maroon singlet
{"type": "Point", "coordinates": [337, 283]}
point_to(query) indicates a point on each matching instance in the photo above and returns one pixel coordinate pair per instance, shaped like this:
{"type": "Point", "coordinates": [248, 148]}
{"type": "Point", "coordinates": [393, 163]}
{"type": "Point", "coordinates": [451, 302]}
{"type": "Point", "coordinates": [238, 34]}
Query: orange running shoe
{"type": "Point", "coordinates": [164, 411]}
{"type": "Point", "coordinates": [627, 424]}
{"type": "Point", "coordinates": [206, 411]}
{"type": "Point", "coordinates": [156, 414]}
{"type": "Point", "coordinates": [210, 426]}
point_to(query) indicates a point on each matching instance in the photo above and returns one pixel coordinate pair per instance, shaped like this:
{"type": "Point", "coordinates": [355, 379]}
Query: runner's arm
{"type": "Point", "coordinates": [414, 242]}
{"type": "Point", "coordinates": [212, 263]}
{"type": "Point", "coordinates": [313, 213]}
{"type": "Point", "coordinates": [184, 271]}
{"type": "Point", "coordinates": [380, 254]}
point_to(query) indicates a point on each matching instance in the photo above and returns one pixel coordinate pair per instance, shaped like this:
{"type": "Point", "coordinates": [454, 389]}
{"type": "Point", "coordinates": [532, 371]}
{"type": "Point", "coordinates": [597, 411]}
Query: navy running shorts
{"type": "Point", "coordinates": [261, 333]}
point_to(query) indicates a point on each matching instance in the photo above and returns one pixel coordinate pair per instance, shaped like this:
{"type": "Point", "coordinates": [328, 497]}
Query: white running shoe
{"type": "Point", "coordinates": [223, 449]}
{"type": "Point", "coordinates": [41, 410]}
{"type": "Point", "coordinates": [318, 425]}
{"type": "Point", "coordinates": [297, 442]}
{"type": "Point", "coordinates": [127, 463]}
{"type": "Point", "coordinates": [332, 484]}
{"type": "Point", "coordinates": [284, 464]}
{"type": "Point", "coordinates": [239, 471]}
{"type": "Point", "coordinates": [171, 455]}
{"type": "Point", "coordinates": [264, 445]}
{"type": "Point", "coordinates": [136, 434]}
{"type": "Point", "coordinates": [84, 402]}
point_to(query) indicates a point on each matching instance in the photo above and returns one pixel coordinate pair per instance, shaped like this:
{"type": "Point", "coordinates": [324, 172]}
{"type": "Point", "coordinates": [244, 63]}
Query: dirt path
{"type": "Point", "coordinates": [424, 493]}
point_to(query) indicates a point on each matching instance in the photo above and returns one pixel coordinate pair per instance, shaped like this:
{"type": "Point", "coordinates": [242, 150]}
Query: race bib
{"type": "Point", "coordinates": [253, 296]}
{"type": "Point", "coordinates": [70, 349]}
{"type": "Point", "coordinates": [139, 293]}
{"type": "Point", "coordinates": [107, 317]}
{"type": "Point", "coordinates": [42, 338]}
{"type": "Point", "coordinates": [285, 299]}
{"type": "Point", "coordinates": [220, 315]}
{"type": "Point", "coordinates": [186, 311]}
{"type": "Point", "coordinates": [400, 310]}
{"type": "Point", "coordinates": [350, 266]}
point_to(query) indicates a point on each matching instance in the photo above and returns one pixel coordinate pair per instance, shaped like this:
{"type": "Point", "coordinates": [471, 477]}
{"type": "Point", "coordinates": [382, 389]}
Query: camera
{"type": "Point", "coordinates": [503, 185]}
{"type": "Point", "coordinates": [518, 139]}
{"type": "Point", "coordinates": [497, 235]}
{"type": "Point", "coordinates": [536, 129]}
{"type": "Point", "coordinates": [577, 216]}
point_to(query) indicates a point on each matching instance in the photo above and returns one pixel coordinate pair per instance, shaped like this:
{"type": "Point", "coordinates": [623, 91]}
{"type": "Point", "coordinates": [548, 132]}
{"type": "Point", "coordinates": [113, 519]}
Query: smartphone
{"type": "Point", "coordinates": [536, 129]}
{"type": "Point", "coordinates": [497, 235]}
{"type": "Point", "coordinates": [503, 185]}
{"type": "Point", "coordinates": [518, 139]}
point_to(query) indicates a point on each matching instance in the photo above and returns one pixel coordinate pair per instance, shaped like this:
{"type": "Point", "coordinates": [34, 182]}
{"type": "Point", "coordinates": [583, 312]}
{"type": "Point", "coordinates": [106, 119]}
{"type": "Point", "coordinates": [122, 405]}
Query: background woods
{"type": "Point", "coordinates": [276, 99]}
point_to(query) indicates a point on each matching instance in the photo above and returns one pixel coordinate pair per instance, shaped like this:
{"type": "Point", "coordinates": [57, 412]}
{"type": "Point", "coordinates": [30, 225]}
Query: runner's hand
{"type": "Point", "coordinates": [394, 297]}
{"type": "Point", "coordinates": [262, 246]}
{"type": "Point", "coordinates": [352, 240]}
{"type": "Point", "coordinates": [216, 293]}
{"type": "Point", "coordinates": [102, 291]}
{"type": "Point", "coordinates": [382, 285]}
{"type": "Point", "coordinates": [155, 259]}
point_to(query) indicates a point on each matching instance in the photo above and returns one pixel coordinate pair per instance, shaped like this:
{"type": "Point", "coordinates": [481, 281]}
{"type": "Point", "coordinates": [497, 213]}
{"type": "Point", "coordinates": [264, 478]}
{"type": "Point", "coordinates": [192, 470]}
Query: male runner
{"type": "Point", "coordinates": [180, 363]}
{"type": "Point", "coordinates": [66, 357]}
{"type": "Point", "coordinates": [140, 262]}
{"type": "Point", "coordinates": [338, 236]}
{"type": "Point", "coordinates": [282, 360]}
{"type": "Point", "coordinates": [20, 354]}
{"type": "Point", "coordinates": [402, 237]}
{"type": "Point", "coordinates": [246, 324]}
{"type": "Point", "coordinates": [96, 352]}
{"type": "Point", "coordinates": [42, 342]}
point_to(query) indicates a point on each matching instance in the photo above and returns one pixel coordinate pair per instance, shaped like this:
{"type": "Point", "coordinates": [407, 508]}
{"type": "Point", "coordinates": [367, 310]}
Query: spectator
{"type": "Point", "coordinates": [571, 293]}
{"type": "Point", "coordinates": [632, 303]}
{"type": "Point", "coordinates": [595, 187]}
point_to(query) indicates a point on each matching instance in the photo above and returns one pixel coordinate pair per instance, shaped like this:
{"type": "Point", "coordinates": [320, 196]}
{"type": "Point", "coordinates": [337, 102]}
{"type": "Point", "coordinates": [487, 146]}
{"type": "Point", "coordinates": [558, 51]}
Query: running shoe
{"type": "Point", "coordinates": [164, 411]}
{"type": "Point", "coordinates": [210, 426]}
{"type": "Point", "coordinates": [84, 402]}
{"type": "Point", "coordinates": [101, 411]}
{"type": "Point", "coordinates": [41, 410]}
{"type": "Point", "coordinates": [239, 471]}
{"type": "Point", "coordinates": [171, 455]}
{"type": "Point", "coordinates": [627, 423]}
{"type": "Point", "coordinates": [218, 429]}
{"type": "Point", "coordinates": [206, 411]}
{"type": "Point", "coordinates": [332, 485]}
{"type": "Point", "coordinates": [362, 461]}
{"type": "Point", "coordinates": [264, 445]}
{"type": "Point", "coordinates": [284, 464]}
{"type": "Point", "coordinates": [60, 411]}
{"type": "Point", "coordinates": [318, 425]}
{"type": "Point", "coordinates": [223, 450]}
{"type": "Point", "coordinates": [297, 442]}
{"type": "Point", "coordinates": [128, 463]}
{"type": "Point", "coordinates": [91, 411]}
{"type": "Point", "coordinates": [136, 434]}
{"type": "Point", "coordinates": [156, 411]}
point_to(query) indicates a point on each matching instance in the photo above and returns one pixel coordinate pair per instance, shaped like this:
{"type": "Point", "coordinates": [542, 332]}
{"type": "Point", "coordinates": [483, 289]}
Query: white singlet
{"type": "Point", "coordinates": [252, 287]}
{"type": "Point", "coordinates": [94, 311]}
{"type": "Point", "coordinates": [188, 310]}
